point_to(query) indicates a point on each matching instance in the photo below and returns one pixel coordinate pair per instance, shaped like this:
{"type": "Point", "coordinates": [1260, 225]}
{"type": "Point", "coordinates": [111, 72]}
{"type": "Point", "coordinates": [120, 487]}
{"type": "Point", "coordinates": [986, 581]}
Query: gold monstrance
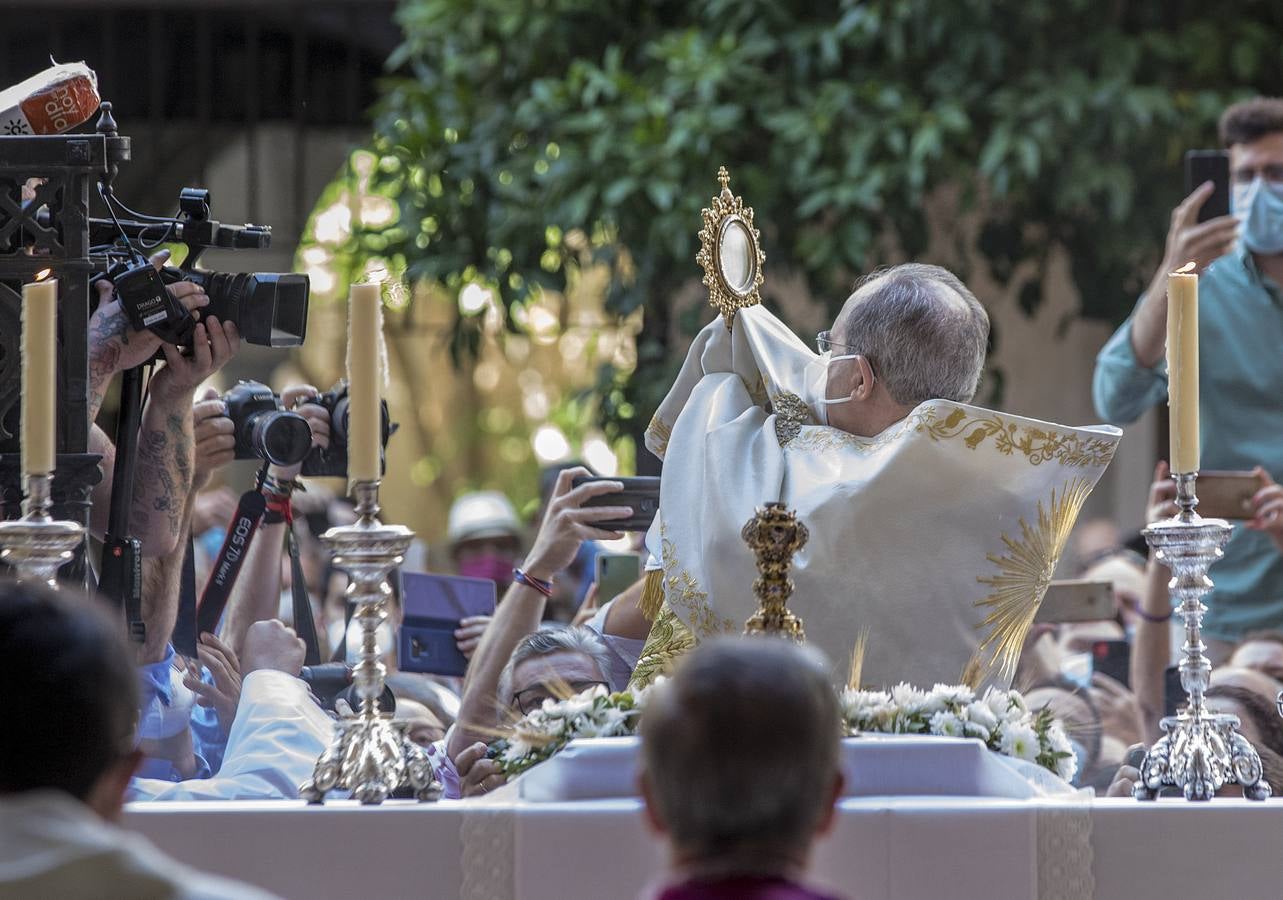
{"type": "Point", "coordinates": [774, 535]}
{"type": "Point", "coordinates": [730, 252]}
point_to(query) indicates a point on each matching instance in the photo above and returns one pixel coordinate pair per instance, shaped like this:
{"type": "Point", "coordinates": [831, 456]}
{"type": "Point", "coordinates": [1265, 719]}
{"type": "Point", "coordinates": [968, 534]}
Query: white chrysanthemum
{"type": "Point", "coordinates": [607, 723]}
{"type": "Point", "coordinates": [1067, 767]}
{"type": "Point", "coordinates": [947, 724]}
{"type": "Point", "coordinates": [980, 713]}
{"type": "Point", "coordinates": [1008, 706]}
{"type": "Point", "coordinates": [908, 698]}
{"type": "Point", "coordinates": [1019, 740]}
{"type": "Point", "coordinates": [976, 730]}
{"type": "Point", "coordinates": [1058, 738]}
{"type": "Point", "coordinates": [954, 694]}
{"type": "Point", "coordinates": [580, 704]}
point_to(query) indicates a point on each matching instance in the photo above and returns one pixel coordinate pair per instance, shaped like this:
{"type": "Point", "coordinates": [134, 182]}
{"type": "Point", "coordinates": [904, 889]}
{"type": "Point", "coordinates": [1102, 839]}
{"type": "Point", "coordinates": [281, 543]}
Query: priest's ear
{"type": "Point", "coordinates": [862, 389]}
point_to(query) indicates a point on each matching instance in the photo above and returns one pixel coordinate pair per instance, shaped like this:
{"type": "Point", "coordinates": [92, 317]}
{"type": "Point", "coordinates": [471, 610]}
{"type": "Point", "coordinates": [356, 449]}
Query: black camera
{"type": "Point", "coordinates": [268, 308]}
{"type": "Point", "coordinates": [332, 460]}
{"type": "Point", "coordinates": [332, 681]}
{"type": "Point", "coordinates": [263, 429]}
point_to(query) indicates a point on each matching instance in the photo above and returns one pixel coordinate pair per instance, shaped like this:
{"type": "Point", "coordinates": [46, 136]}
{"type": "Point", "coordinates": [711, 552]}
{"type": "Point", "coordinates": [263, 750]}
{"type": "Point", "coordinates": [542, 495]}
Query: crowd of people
{"type": "Point", "coordinates": [237, 719]}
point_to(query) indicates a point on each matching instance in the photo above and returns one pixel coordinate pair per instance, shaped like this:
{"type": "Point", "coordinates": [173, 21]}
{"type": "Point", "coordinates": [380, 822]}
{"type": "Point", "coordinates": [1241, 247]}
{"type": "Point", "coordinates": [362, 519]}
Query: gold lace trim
{"type": "Point", "coordinates": [658, 434]}
{"type": "Point", "coordinates": [669, 638]}
{"type": "Point", "coordinates": [1036, 445]}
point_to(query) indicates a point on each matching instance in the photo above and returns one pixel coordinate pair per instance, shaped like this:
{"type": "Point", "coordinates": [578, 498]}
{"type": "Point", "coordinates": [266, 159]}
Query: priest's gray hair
{"type": "Point", "coordinates": [923, 332]}
{"type": "Point", "coordinates": [557, 639]}
{"type": "Point", "coordinates": [740, 750]}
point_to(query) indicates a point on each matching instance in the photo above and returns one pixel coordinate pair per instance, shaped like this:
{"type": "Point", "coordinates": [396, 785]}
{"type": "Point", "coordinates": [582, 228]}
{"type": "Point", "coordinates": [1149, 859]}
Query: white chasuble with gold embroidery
{"type": "Point", "coordinates": [935, 539]}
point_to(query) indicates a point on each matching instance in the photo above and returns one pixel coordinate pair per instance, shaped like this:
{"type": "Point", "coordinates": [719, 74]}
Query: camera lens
{"type": "Point", "coordinates": [283, 438]}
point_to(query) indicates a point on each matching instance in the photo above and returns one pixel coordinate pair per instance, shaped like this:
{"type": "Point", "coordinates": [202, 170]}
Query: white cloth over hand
{"type": "Point", "coordinates": [273, 746]}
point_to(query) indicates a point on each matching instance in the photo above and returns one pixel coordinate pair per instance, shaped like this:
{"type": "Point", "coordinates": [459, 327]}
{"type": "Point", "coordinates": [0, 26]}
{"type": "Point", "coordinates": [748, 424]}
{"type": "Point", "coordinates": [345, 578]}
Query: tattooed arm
{"type": "Point", "coordinates": [114, 347]}
{"type": "Point", "coordinates": [163, 477]}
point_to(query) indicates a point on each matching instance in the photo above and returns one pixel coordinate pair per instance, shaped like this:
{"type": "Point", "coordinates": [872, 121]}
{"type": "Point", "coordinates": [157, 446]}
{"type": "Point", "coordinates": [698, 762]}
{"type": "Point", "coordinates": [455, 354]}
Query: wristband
{"type": "Point", "coordinates": [274, 485]}
{"type": "Point", "coordinates": [1148, 617]}
{"type": "Point", "coordinates": [530, 581]}
{"type": "Point", "coordinates": [278, 510]}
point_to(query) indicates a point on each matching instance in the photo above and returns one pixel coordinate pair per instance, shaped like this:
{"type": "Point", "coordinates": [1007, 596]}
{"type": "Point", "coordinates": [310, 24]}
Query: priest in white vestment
{"type": "Point", "coordinates": [935, 526]}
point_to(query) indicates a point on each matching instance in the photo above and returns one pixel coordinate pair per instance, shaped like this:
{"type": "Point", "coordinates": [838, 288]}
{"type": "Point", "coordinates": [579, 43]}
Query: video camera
{"type": "Point", "coordinates": [268, 308]}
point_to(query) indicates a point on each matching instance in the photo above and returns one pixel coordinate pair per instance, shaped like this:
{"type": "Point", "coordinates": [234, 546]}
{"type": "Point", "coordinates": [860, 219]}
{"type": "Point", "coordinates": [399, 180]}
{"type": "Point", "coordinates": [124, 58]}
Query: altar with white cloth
{"type": "Point", "coordinates": [881, 848]}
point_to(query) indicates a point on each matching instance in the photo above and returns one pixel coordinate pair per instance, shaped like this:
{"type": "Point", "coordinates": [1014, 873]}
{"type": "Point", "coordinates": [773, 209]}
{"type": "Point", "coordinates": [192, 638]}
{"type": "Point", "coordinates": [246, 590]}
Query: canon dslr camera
{"type": "Point", "coordinates": [332, 460]}
{"type": "Point", "coordinates": [264, 429]}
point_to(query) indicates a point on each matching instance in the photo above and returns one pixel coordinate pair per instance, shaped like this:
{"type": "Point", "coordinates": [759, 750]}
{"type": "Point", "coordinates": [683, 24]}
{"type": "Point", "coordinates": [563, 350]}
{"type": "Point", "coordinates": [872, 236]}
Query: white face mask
{"type": "Point", "coordinates": [823, 403]}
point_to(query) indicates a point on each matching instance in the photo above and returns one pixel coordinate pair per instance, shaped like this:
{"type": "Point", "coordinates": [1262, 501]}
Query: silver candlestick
{"type": "Point", "coordinates": [1199, 752]}
{"type": "Point", "coordinates": [37, 545]}
{"type": "Point", "coordinates": [370, 755]}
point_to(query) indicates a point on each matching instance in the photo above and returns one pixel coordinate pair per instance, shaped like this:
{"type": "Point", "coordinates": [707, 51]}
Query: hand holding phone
{"type": "Point", "coordinates": [1202, 230]}
{"type": "Point", "coordinates": [1077, 600]}
{"type": "Point", "coordinates": [436, 607]}
{"type": "Point", "coordinates": [1202, 166]}
{"type": "Point", "coordinates": [1227, 495]}
{"type": "Point", "coordinates": [641, 494]}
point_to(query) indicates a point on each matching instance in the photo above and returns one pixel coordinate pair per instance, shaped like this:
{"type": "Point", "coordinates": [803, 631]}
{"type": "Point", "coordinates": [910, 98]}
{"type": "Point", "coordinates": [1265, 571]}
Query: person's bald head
{"type": "Point", "coordinates": [922, 331]}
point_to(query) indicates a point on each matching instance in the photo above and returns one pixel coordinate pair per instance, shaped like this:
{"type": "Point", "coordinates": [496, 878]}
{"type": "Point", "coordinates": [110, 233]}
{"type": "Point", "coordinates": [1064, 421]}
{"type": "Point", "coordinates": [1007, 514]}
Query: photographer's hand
{"type": "Point", "coordinates": [300, 398]}
{"type": "Point", "coordinates": [115, 346]}
{"type": "Point", "coordinates": [215, 438]}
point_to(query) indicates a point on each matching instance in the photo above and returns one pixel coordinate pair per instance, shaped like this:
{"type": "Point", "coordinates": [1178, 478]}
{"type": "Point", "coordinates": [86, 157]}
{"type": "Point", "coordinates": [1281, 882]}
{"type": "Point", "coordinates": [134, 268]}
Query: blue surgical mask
{"type": "Point", "coordinates": [1260, 205]}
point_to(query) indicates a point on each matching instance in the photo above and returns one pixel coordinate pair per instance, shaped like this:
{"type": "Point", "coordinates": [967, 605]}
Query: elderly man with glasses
{"type": "Point", "coordinates": [517, 666]}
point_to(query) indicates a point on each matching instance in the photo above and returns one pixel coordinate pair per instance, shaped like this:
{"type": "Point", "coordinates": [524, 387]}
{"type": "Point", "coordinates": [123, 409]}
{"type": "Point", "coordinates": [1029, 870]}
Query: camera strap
{"type": "Point", "coordinates": [184, 635]}
{"type": "Point", "coordinates": [227, 567]}
{"type": "Point", "coordinates": [304, 623]}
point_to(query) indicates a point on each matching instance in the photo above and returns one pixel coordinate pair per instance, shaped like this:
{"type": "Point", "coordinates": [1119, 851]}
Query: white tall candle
{"type": "Point", "coordinates": [39, 375]}
{"type": "Point", "coordinates": [1182, 369]}
{"type": "Point", "coordinates": [365, 332]}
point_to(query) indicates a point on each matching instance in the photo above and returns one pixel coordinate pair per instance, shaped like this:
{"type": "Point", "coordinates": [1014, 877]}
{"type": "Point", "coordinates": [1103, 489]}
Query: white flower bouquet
{"type": "Point", "coordinates": [1001, 719]}
{"type": "Point", "coordinates": [543, 732]}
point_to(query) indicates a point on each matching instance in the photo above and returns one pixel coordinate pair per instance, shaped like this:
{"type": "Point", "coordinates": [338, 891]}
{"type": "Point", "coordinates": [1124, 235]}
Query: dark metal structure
{"type": "Point", "coordinates": [61, 170]}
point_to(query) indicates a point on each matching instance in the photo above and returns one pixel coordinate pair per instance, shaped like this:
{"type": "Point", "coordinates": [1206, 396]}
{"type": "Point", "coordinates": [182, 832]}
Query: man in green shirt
{"type": "Point", "coordinates": [1240, 260]}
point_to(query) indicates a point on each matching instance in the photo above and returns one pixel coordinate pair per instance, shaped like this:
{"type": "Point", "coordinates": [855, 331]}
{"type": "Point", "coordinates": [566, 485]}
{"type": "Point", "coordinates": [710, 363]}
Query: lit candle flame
{"type": "Point", "coordinates": [1188, 267]}
{"type": "Point", "coordinates": [43, 274]}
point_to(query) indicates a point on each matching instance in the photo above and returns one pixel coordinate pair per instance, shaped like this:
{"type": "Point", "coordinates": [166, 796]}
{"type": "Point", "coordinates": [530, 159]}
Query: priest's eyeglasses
{"type": "Point", "coordinates": [824, 342]}
{"type": "Point", "coordinates": [532, 698]}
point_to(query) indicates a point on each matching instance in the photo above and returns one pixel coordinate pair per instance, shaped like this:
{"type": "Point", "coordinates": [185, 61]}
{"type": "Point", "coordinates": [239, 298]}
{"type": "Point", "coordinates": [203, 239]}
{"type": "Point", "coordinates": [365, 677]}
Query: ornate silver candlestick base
{"type": "Point", "coordinates": [1199, 752]}
{"type": "Point", "coordinates": [371, 756]}
{"type": "Point", "coordinates": [37, 545]}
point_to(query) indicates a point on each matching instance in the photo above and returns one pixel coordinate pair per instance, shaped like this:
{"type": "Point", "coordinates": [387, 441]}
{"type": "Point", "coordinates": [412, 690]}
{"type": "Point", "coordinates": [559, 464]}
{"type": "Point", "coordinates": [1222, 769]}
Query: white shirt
{"type": "Point", "coordinates": [52, 845]}
{"type": "Point", "coordinates": [273, 746]}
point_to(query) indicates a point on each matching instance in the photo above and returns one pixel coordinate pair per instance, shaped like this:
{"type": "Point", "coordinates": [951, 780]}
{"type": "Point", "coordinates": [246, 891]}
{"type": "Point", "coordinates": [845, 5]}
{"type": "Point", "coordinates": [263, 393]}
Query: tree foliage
{"type": "Point", "coordinates": [514, 125]}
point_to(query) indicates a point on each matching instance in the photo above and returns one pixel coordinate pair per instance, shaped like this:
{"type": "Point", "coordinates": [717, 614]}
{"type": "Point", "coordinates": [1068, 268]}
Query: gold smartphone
{"type": "Point", "coordinates": [1077, 600]}
{"type": "Point", "coordinates": [1227, 495]}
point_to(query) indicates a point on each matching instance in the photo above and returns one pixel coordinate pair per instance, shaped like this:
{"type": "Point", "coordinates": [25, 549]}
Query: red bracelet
{"type": "Point", "coordinates": [278, 509]}
{"type": "Point", "coordinates": [522, 577]}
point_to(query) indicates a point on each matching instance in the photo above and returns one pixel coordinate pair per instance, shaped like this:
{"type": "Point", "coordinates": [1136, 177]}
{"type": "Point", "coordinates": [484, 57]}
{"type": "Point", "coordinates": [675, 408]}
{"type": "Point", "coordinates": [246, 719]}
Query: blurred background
{"type": "Point", "coordinates": [530, 176]}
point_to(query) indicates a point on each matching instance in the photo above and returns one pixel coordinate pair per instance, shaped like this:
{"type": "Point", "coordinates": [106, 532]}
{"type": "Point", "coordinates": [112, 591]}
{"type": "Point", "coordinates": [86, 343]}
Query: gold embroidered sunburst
{"type": "Point", "coordinates": [1025, 571]}
{"type": "Point", "coordinates": [730, 253]}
